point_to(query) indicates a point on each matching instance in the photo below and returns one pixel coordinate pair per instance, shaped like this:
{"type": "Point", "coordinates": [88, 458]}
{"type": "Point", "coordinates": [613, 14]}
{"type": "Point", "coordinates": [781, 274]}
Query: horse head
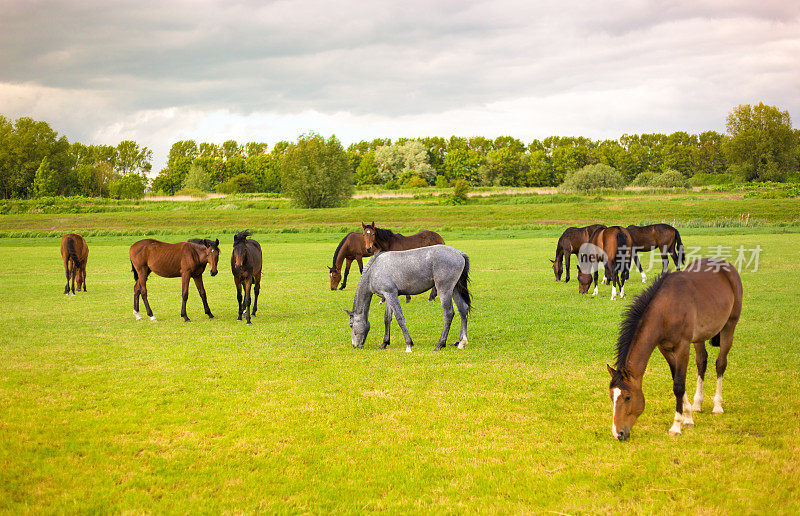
{"type": "Point", "coordinates": [336, 277]}
{"type": "Point", "coordinates": [369, 236]}
{"type": "Point", "coordinates": [359, 328]}
{"type": "Point", "coordinates": [212, 254]}
{"type": "Point", "coordinates": [627, 401]}
{"type": "Point", "coordinates": [558, 269]}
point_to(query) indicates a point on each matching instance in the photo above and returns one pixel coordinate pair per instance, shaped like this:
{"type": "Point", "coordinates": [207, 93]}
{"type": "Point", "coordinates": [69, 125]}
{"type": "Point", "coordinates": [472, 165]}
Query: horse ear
{"type": "Point", "coordinates": [552, 261]}
{"type": "Point", "coordinates": [611, 370]}
{"type": "Point", "coordinates": [216, 242]}
{"type": "Point", "coordinates": [363, 226]}
{"type": "Point", "coordinates": [373, 223]}
{"type": "Point", "coordinates": [207, 242]}
{"type": "Point", "coordinates": [349, 312]}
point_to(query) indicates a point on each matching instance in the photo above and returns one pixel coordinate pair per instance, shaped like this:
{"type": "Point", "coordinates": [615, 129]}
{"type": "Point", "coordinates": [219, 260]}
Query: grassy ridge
{"type": "Point", "coordinates": [100, 413]}
{"type": "Point", "coordinates": [526, 212]}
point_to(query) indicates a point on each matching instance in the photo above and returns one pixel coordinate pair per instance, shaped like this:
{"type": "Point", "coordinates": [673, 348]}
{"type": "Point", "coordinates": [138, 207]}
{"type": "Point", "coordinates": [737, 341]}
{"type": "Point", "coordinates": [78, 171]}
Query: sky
{"type": "Point", "coordinates": [103, 71]}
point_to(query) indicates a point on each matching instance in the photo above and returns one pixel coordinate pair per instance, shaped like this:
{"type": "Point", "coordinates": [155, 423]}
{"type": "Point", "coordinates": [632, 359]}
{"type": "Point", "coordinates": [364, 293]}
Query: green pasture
{"type": "Point", "coordinates": [100, 413]}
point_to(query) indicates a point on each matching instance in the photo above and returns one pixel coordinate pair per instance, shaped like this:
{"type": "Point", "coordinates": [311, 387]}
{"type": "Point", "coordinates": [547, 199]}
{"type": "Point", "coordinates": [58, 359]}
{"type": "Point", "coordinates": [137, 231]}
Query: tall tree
{"type": "Point", "coordinates": [315, 172]}
{"type": "Point", "coordinates": [761, 142]}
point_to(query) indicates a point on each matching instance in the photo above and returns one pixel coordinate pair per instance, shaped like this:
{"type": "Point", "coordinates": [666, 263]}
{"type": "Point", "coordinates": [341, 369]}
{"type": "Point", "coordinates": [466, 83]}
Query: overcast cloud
{"type": "Point", "coordinates": [157, 72]}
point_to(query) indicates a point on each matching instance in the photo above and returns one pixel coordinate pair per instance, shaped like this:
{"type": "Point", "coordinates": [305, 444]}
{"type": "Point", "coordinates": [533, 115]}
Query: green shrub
{"type": "Point", "coordinates": [706, 179]}
{"type": "Point", "coordinates": [191, 192]}
{"type": "Point", "coordinates": [592, 177]}
{"type": "Point", "coordinates": [670, 179]}
{"type": "Point", "coordinates": [315, 172]}
{"type": "Point", "coordinates": [442, 181]}
{"type": "Point", "coordinates": [460, 190]}
{"type": "Point", "coordinates": [644, 179]}
{"type": "Point", "coordinates": [392, 185]}
{"type": "Point", "coordinates": [128, 187]}
{"type": "Point", "coordinates": [415, 182]}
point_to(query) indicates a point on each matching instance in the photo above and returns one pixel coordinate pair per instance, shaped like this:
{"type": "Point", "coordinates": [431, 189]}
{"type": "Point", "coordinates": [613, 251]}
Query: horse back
{"type": "Point", "coordinates": [163, 258]}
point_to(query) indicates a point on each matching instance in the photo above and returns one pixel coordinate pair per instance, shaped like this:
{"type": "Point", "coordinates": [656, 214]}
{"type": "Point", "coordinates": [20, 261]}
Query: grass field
{"type": "Point", "coordinates": [99, 413]}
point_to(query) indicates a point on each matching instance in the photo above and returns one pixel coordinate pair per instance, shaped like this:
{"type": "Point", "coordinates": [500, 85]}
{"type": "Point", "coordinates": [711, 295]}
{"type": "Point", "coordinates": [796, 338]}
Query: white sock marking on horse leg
{"type": "Point", "coordinates": [698, 396]}
{"type": "Point", "coordinates": [595, 291]}
{"type": "Point", "coordinates": [408, 348]}
{"type": "Point", "coordinates": [152, 317]}
{"type": "Point", "coordinates": [462, 343]}
{"type": "Point", "coordinates": [644, 277]}
{"type": "Point", "coordinates": [675, 429]}
{"type": "Point", "coordinates": [718, 398]}
{"type": "Point", "coordinates": [136, 314]}
{"type": "Point", "coordinates": [687, 412]}
{"type": "Point", "coordinates": [613, 292]}
{"type": "Point", "coordinates": [622, 292]}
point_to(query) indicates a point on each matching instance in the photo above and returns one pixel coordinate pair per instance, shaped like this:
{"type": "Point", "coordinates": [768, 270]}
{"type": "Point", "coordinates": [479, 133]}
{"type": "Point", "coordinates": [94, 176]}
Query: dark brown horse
{"type": "Point", "coordinates": [186, 260]}
{"type": "Point", "coordinates": [570, 243]}
{"type": "Point", "coordinates": [246, 268]}
{"type": "Point", "coordinates": [386, 240]}
{"type": "Point", "coordinates": [610, 248]}
{"type": "Point", "coordinates": [663, 237]}
{"type": "Point", "coordinates": [352, 247]}
{"type": "Point", "coordinates": [74, 253]}
{"type": "Point", "coordinates": [679, 309]}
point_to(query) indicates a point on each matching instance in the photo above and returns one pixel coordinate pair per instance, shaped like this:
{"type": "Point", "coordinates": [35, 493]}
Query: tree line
{"type": "Point", "coordinates": [760, 145]}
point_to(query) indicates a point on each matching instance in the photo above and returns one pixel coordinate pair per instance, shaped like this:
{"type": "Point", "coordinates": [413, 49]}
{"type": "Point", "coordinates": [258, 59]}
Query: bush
{"type": "Point", "coordinates": [671, 179]}
{"type": "Point", "coordinates": [197, 179]}
{"type": "Point", "coordinates": [415, 182]}
{"type": "Point", "coordinates": [592, 177]}
{"type": "Point", "coordinates": [644, 179]}
{"type": "Point", "coordinates": [706, 179]}
{"type": "Point", "coordinates": [460, 190]}
{"type": "Point", "coordinates": [315, 172]}
{"type": "Point", "coordinates": [442, 181]}
{"type": "Point", "coordinates": [240, 183]}
{"type": "Point", "coordinates": [392, 185]}
{"type": "Point", "coordinates": [128, 187]}
{"type": "Point", "coordinates": [191, 192]}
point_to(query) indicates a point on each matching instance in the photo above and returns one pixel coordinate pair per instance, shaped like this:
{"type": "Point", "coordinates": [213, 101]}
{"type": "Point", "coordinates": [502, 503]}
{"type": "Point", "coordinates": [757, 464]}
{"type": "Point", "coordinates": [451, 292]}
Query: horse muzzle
{"type": "Point", "coordinates": [213, 273]}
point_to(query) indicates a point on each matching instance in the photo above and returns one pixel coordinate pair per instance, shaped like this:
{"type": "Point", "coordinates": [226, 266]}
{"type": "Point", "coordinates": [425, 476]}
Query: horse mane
{"type": "Point", "coordinates": [384, 235]}
{"type": "Point", "coordinates": [241, 237]}
{"type": "Point", "coordinates": [336, 252]}
{"type": "Point", "coordinates": [631, 318]}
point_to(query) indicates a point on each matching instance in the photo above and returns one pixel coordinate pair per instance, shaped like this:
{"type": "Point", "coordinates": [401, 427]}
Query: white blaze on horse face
{"type": "Point", "coordinates": [615, 392]}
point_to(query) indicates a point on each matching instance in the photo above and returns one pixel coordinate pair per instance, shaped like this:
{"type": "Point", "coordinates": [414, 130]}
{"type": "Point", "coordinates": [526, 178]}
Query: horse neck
{"type": "Point", "coordinates": [642, 347]}
{"type": "Point", "coordinates": [363, 293]}
{"type": "Point", "coordinates": [559, 252]}
{"type": "Point", "coordinates": [340, 256]}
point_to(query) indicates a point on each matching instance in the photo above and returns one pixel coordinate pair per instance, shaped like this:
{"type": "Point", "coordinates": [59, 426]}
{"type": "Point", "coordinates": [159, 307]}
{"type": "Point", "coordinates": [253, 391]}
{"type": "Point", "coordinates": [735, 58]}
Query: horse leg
{"type": "Point", "coordinates": [701, 357]}
{"type": "Point", "coordinates": [248, 285]}
{"type": "Point", "coordinates": [674, 255]}
{"type": "Point", "coordinates": [136, 292]}
{"type": "Point", "coordinates": [66, 271]}
{"type": "Point", "coordinates": [238, 283]}
{"type": "Point", "coordinates": [184, 295]}
{"type": "Point", "coordinates": [198, 281]}
{"type": "Point", "coordinates": [596, 274]}
{"type": "Point", "coordinates": [611, 274]}
{"type": "Point", "coordinates": [73, 273]}
{"type": "Point", "coordinates": [346, 272]}
{"type": "Point", "coordinates": [143, 291]}
{"type": "Point", "coordinates": [433, 295]}
{"type": "Point", "coordinates": [566, 266]}
{"type": "Point", "coordinates": [387, 323]}
{"type": "Point", "coordinates": [725, 343]}
{"type": "Point", "coordinates": [463, 311]}
{"type": "Point", "coordinates": [681, 363]}
{"type": "Point", "coordinates": [394, 302]}
{"type": "Point", "coordinates": [360, 265]}
{"type": "Point", "coordinates": [639, 266]}
{"type": "Point", "coordinates": [257, 289]}
{"type": "Point", "coordinates": [447, 309]}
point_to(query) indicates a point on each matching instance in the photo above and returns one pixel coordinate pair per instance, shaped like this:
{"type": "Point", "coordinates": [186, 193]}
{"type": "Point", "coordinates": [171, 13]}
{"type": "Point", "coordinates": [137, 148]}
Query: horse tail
{"type": "Point", "coordinates": [462, 285]}
{"type": "Point", "coordinates": [133, 269]}
{"type": "Point", "coordinates": [73, 255]}
{"type": "Point", "coordinates": [622, 249]}
{"type": "Point", "coordinates": [679, 250]}
{"type": "Point", "coordinates": [715, 340]}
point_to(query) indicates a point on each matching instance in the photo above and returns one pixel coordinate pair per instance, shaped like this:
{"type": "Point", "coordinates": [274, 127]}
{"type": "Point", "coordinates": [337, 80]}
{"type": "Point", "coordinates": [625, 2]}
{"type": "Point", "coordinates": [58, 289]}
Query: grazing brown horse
{"type": "Point", "coordinates": [612, 248]}
{"type": "Point", "coordinates": [679, 309]}
{"type": "Point", "coordinates": [570, 243]}
{"type": "Point", "coordinates": [663, 237]}
{"type": "Point", "coordinates": [74, 253]}
{"type": "Point", "coordinates": [386, 240]}
{"type": "Point", "coordinates": [246, 268]}
{"type": "Point", "coordinates": [186, 260]}
{"type": "Point", "coordinates": [352, 247]}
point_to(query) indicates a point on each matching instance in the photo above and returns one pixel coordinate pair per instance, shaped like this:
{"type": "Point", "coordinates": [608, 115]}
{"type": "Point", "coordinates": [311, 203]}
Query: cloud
{"type": "Point", "coordinates": [157, 72]}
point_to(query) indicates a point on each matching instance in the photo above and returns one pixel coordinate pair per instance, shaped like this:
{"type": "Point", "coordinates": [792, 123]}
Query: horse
{"type": "Point", "coordinates": [393, 273]}
{"type": "Point", "coordinates": [74, 253]}
{"type": "Point", "coordinates": [186, 260]}
{"type": "Point", "coordinates": [568, 244]}
{"type": "Point", "coordinates": [386, 240]}
{"type": "Point", "coordinates": [246, 267]}
{"type": "Point", "coordinates": [663, 237]}
{"type": "Point", "coordinates": [612, 247]}
{"type": "Point", "coordinates": [679, 309]}
{"type": "Point", "coordinates": [352, 247]}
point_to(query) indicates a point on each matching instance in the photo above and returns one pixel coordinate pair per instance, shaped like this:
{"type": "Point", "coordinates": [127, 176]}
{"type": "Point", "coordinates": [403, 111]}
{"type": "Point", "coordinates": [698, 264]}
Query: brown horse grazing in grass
{"type": "Point", "coordinates": [246, 267]}
{"type": "Point", "coordinates": [386, 240]}
{"type": "Point", "coordinates": [352, 247]}
{"type": "Point", "coordinates": [570, 243]}
{"type": "Point", "coordinates": [612, 248]}
{"type": "Point", "coordinates": [679, 309]}
{"type": "Point", "coordinates": [663, 237]}
{"type": "Point", "coordinates": [74, 253]}
{"type": "Point", "coordinates": [186, 260]}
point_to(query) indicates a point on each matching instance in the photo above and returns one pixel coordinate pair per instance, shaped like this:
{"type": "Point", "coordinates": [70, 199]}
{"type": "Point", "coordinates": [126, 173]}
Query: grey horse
{"type": "Point", "coordinates": [390, 274]}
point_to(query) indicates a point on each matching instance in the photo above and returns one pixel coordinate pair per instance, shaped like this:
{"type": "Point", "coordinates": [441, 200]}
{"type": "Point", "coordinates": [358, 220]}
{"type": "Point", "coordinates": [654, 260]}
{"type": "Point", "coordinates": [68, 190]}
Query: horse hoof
{"type": "Point", "coordinates": [439, 346]}
{"type": "Point", "coordinates": [136, 314]}
{"type": "Point", "coordinates": [674, 432]}
{"type": "Point", "coordinates": [152, 317]}
{"type": "Point", "coordinates": [408, 349]}
{"type": "Point", "coordinates": [688, 424]}
{"type": "Point", "coordinates": [210, 316]}
{"type": "Point", "coordinates": [249, 323]}
{"type": "Point", "coordinates": [717, 410]}
{"type": "Point", "coordinates": [186, 319]}
{"type": "Point", "coordinates": [697, 407]}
